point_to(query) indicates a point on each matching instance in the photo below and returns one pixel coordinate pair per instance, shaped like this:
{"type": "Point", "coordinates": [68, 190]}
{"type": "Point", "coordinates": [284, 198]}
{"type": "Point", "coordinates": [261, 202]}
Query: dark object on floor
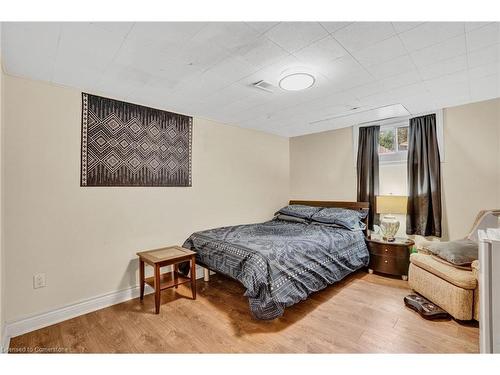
{"type": "Point", "coordinates": [425, 308]}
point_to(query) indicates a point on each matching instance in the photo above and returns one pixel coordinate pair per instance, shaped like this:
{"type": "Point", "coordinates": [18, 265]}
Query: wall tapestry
{"type": "Point", "coordinates": [126, 144]}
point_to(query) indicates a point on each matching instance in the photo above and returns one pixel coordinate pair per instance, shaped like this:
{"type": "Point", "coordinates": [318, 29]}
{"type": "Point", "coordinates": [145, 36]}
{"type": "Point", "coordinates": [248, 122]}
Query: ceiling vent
{"type": "Point", "coordinates": [263, 85]}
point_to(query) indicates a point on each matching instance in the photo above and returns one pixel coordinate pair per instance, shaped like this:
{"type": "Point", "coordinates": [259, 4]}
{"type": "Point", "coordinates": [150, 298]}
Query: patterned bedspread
{"type": "Point", "coordinates": [278, 262]}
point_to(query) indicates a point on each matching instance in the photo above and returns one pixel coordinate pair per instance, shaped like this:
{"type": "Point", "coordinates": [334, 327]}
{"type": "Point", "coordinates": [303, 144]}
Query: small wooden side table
{"type": "Point", "coordinates": [390, 257]}
{"type": "Point", "coordinates": [167, 256]}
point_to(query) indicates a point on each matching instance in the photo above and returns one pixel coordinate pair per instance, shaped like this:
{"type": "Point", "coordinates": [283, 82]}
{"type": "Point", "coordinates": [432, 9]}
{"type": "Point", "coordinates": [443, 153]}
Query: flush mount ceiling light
{"type": "Point", "coordinates": [297, 81]}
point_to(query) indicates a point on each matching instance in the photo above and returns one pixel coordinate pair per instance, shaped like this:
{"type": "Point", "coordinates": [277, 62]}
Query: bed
{"type": "Point", "coordinates": [282, 262]}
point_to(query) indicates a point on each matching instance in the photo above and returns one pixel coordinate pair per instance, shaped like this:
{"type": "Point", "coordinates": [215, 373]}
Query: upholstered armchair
{"type": "Point", "coordinates": [453, 288]}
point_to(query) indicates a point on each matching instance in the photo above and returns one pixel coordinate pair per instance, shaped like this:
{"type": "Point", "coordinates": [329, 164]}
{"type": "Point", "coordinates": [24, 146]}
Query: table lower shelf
{"type": "Point", "coordinates": [167, 280]}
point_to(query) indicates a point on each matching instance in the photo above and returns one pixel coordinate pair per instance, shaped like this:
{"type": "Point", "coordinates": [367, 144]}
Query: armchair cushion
{"type": "Point", "coordinates": [459, 252]}
{"type": "Point", "coordinates": [461, 278]}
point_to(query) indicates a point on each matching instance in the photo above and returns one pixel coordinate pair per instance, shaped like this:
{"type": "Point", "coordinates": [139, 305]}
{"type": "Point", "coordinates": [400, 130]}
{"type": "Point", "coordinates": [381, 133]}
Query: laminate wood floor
{"type": "Point", "coordinates": [361, 314]}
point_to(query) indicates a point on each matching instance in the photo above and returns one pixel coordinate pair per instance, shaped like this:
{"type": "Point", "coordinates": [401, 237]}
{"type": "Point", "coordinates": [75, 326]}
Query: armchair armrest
{"type": "Point", "coordinates": [421, 246]}
{"type": "Point", "coordinates": [475, 268]}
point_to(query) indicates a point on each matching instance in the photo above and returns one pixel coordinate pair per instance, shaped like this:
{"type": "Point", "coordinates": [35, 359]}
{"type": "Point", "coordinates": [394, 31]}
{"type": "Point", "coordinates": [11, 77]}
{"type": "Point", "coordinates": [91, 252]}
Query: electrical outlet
{"type": "Point", "coordinates": [39, 280]}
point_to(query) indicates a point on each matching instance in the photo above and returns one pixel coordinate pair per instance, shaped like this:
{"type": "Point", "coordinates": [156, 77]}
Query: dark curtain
{"type": "Point", "coordinates": [367, 168]}
{"type": "Point", "coordinates": [424, 178]}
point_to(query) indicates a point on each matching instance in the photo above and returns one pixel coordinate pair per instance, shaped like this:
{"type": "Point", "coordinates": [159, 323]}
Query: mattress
{"type": "Point", "coordinates": [279, 262]}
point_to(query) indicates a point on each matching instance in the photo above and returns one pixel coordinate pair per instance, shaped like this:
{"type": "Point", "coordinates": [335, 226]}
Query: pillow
{"type": "Point", "coordinates": [459, 252]}
{"type": "Point", "coordinates": [292, 219]}
{"type": "Point", "coordinates": [299, 210]}
{"type": "Point", "coordinates": [350, 219]}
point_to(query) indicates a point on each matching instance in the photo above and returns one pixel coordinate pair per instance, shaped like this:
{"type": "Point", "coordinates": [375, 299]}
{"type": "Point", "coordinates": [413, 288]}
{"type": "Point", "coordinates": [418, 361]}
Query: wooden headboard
{"type": "Point", "coordinates": [357, 206]}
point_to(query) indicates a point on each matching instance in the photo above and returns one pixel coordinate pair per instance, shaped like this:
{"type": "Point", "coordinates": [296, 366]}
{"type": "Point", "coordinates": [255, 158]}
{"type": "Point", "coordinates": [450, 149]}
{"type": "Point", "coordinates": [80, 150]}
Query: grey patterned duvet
{"type": "Point", "coordinates": [279, 262]}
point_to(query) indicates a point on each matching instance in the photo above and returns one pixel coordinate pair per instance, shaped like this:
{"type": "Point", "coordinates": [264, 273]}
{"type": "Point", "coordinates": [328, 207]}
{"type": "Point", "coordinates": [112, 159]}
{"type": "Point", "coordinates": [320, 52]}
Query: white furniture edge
{"type": "Point", "coordinates": [48, 318]}
{"type": "Point", "coordinates": [5, 342]}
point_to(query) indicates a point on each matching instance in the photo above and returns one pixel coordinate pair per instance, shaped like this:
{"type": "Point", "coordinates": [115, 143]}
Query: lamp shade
{"type": "Point", "coordinates": [391, 204]}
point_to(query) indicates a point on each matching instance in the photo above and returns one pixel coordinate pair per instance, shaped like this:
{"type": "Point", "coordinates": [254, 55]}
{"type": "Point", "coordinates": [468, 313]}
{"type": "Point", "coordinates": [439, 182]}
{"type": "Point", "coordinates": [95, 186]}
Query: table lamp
{"type": "Point", "coordinates": [389, 205]}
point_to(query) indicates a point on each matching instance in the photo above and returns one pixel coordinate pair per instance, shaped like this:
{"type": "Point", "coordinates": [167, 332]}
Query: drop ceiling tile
{"type": "Point", "coordinates": [76, 76]}
{"type": "Point", "coordinates": [199, 55]}
{"type": "Point", "coordinates": [114, 27]}
{"type": "Point", "coordinates": [393, 67]}
{"type": "Point", "coordinates": [449, 88]}
{"type": "Point", "coordinates": [371, 88]}
{"type": "Point", "coordinates": [378, 100]}
{"type": "Point", "coordinates": [452, 47]}
{"type": "Point", "coordinates": [273, 73]}
{"type": "Point", "coordinates": [485, 88]}
{"type": "Point", "coordinates": [293, 36]}
{"type": "Point", "coordinates": [380, 52]}
{"type": "Point", "coordinates": [85, 47]}
{"type": "Point", "coordinates": [418, 104]}
{"type": "Point", "coordinates": [447, 80]}
{"type": "Point", "coordinates": [252, 95]}
{"type": "Point", "coordinates": [321, 53]}
{"type": "Point", "coordinates": [162, 84]}
{"type": "Point", "coordinates": [430, 33]}
{"type": "Point", "coordinates": [351, 81]}
{"type": "Point", "coordinates": [359, 35]}
{"type": "Point", "coordinates": [484, 71]}
{"type": "Point", "coordinates": [261, 27]}
{"type": "Point", "coordinates": [120, 81]}
{"type": "Point", "coordinates": [29, 48]}
{"type": "Point", "coordinates": [404, 79]}
{"type": "Point", "coordinates": [345, 73]}
{"type": "Point", "coordinates": [469, 26]}
{"type": "Point", "coordinates": [452, 99]}
{"type": "Point", "coordinates": [483, 37]}
{"type": "Point", "coordinates": [247, 94]}
{"type": "Point", "coordinates": [231, 69]}
{"type": "Point", "coordinates": [343, 66]}
{"type": "Point", "coordinates": [330, 105]}
{"type": "Point", "coordinates": [409, 91]}
{"type": "Point", "coordinates": [162, 65]}
{"type": "Point", "coordinates": [165, 32]}
{"type": "Point", "coordinates": [219, 100]}
{"type": "Point", "coordinates": [405, 26]}
{"type": "Point", "coordinates": [198, 86]}
{"type": "Point", "coordinates": [154, 94]}
{"type": "Point", "coordinates": [132, 54]}
{"type": "Point", "coordinates": [484, 56]}
{"type": "Point", "coordinates": [228, 35]}
{"type": "Point", "coordinates": [261, 52]}
{"type": "Point", "coordinates": [455, 64]}
{"type": "Point", "coordinates": [334, 26]}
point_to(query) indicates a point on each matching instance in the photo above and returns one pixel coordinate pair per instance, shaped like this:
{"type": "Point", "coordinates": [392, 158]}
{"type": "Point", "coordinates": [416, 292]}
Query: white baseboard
{"type": "Point", "coordinates": [34, 322]}
{"type": "Point", "coordinates": [48, 318]}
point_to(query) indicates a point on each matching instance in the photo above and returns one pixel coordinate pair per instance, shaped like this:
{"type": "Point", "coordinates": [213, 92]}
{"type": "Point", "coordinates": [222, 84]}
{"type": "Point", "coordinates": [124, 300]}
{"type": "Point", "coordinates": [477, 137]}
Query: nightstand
{"type": "Point", "coordinates": [391, 258]}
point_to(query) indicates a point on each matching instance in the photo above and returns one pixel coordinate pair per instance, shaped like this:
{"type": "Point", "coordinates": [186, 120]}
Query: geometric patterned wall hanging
{"type": "Point", "coordinates": [126, 144]}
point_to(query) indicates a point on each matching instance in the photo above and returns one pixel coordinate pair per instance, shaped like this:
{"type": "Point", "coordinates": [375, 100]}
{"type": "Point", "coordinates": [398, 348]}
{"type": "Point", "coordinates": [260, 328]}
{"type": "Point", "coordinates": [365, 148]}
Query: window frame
{"type": "Point", "coordinates": [398, 156]}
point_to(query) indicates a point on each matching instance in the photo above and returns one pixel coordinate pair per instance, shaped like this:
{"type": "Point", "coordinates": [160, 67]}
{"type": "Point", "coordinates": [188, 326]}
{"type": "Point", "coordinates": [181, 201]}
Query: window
{"type": "Point", "coordinates": [394, 139]}
{"type": "Point", "coordinates": [393, 143]}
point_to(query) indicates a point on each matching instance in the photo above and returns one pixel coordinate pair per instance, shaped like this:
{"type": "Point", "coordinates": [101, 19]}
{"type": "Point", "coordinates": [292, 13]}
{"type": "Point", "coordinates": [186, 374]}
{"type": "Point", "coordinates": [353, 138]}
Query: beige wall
{"type": "Point", "coordinates": [85, 239]}
{"type": "Point", "coordinates": [471, 171]}
{"type": "Point", "coordinates": [322, 166]}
